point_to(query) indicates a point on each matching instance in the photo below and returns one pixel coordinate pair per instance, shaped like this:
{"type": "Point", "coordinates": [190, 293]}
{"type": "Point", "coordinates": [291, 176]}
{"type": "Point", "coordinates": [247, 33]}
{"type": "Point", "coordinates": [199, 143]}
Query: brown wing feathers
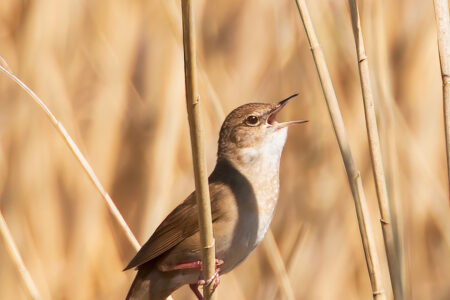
{"type": "Point", "coordinates": [179, 224]}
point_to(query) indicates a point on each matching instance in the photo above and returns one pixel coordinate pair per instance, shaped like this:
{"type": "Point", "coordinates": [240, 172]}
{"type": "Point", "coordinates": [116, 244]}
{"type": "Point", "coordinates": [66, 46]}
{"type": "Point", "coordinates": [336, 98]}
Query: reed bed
{"type": "Point", "coordinates": [112, 71]}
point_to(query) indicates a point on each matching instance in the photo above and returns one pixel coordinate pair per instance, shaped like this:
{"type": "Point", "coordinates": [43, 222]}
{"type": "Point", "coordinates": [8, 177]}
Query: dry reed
{"type": "Point", "coordinates": [277, 264]}
{"type": "Point", "coordinates": [112, 72]}
{"type": "Point", "coordinates": [269, 244]}
{"type": "Point", "coordinates": [88, 170]}
{"type": "Point", "coordinates": [375, 154]}
{"type": "Point", "coordinates": [443, 32]}
{"type": "Point", "coordinates": [17, 259]}
{"type": "Point", "coordinates": [354, 177]}
{"type": "Point", "coordinates": [81, 159]}
{"type": "Point", "coordinates": [198, 148]}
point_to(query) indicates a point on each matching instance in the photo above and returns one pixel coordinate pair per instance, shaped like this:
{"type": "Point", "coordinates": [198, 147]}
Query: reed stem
{"type": "Point", "coordinates": [375, 153]}
{"type": "Point", "coordinates": [17, 259]}
{"type": "Point", "coordinates": [278, 266]}
{"type": "Point", "coordinates": [443, 35]}
{"type": "Point", "coordinates": [81, 159]}
{"type": "Point", "coordinates": [198, 151]}
{"type": "Point", "coordinates": [353, 175]}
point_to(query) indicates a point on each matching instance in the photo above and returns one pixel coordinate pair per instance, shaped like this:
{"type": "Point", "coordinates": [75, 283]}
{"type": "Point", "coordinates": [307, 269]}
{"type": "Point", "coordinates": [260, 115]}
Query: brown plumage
{"type": "Point", "coordinates": [243, 190]}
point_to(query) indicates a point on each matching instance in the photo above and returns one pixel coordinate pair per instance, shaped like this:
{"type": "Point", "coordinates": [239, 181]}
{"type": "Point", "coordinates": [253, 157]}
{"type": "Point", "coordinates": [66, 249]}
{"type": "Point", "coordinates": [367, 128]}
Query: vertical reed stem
{"type": "Point", "coordinates": [375, 153]}
{"type": "Point", "coordinates": [197, 144]}
{"type": "Point", "coordinates": [354, 177]}
{"type": "Point", "coordinates": [443, 35]}
{"type": "Point", "coordinates": [17, 259]}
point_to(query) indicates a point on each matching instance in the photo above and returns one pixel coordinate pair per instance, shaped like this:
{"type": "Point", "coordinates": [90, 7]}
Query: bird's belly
{"type": "Point", "coordinates": [232, 256]}
{"type": "Point", "coordinates": [246, 237]}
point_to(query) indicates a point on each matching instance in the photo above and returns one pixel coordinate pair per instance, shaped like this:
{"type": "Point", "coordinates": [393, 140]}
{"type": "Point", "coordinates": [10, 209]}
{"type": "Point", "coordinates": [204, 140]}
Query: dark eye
{"type": "Point", "coordinates": [252, 120]}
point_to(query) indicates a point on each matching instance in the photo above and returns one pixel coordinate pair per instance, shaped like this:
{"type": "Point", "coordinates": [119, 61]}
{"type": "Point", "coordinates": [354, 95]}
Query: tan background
{"type": "Point", "coordinates": [112, 72]}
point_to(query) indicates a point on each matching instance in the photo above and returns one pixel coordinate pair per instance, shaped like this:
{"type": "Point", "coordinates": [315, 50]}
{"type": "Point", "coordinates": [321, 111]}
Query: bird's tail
{"type": "Point", "coordinates": [147, 286]}
{"type": "Point", "coordinates": [140, 288]}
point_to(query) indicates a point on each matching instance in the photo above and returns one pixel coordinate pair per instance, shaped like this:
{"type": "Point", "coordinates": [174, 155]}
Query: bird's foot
{"type": "Point", "coordinates": [215, 279]}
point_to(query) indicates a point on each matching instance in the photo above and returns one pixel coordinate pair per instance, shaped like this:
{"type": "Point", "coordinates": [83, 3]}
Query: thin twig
{"type": "Point", "coordinates": [279, 268]}
{"type": "Point", "coordinates": [375, 152]}
{"type": "Point", "coordinates": [17, 259]}
{"type": "Point", "coordinates": [197, 144]}
{"type": "Point", "coordinates": [81, 159]}
{"type": "Point", "coordinates": [443, 34]}
{"type": "Point", "coordinates": [354, 178]}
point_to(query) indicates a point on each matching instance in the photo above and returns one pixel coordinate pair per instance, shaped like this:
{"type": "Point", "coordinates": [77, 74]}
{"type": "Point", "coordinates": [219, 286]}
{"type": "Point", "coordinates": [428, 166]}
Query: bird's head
{"type": "Point", "coordinates": [251, 130]}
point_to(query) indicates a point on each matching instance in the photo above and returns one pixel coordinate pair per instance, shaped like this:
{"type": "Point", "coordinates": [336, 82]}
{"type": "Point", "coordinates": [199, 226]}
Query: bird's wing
{"type": "Point", "coordinates": [180, 224]}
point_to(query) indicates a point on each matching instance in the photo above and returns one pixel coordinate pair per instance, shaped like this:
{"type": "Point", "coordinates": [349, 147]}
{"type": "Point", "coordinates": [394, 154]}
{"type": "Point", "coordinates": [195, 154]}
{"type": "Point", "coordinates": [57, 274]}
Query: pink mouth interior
{"type": "Point", "coordinates": [271, 118]}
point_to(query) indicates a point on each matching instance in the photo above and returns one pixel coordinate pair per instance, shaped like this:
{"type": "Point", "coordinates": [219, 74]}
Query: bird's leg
{"type": "Point", "coordinates": [194, 288]}
{"type": "Point", "coordinates": [189, 265]}
{"type": "Point", "coordinates": [215, 279]}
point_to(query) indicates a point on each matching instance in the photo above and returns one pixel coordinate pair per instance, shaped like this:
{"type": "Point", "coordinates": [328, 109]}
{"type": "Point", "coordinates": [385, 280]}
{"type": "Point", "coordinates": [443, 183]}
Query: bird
{"type": "Point", "coordinates": [244, 189]}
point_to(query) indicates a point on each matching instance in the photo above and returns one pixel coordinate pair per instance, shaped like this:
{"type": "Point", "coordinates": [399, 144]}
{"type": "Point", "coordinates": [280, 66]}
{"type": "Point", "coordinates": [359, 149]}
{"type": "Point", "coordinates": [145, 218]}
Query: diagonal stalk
{"type": "Point", "coordinates": [278, 266]}
{"type": "Point", "coordinates": [80, 157]}
{"type": "Point", "coordinates": [17, 259]}
{"type": "Point", "coordinates": [375, 153]}
{"type": "Point", "coordinates": [354, 177]}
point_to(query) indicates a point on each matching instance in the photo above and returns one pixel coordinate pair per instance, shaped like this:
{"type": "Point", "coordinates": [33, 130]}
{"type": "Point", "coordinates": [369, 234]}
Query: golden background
{"type": "Point", "coordinates": [112, 73]}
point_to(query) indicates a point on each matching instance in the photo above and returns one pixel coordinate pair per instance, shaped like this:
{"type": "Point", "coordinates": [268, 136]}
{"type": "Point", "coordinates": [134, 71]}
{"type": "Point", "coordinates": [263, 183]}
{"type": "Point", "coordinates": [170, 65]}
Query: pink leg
{"type": "Point", "coordinates": [215, 279]}
{"type": "Point", "coordinates": [189, 265]}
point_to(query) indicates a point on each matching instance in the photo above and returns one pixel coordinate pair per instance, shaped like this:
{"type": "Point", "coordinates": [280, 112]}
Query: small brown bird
{"type": "Point", "coordinates": [244, 191]}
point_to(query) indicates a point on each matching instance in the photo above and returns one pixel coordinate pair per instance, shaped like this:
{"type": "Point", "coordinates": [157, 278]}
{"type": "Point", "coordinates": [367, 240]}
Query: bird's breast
{"type": "Point", "coordinates": [267, 197]}
{"type": "Point", "coordinates": [263, 174]}
{"type": "Point", "coordinates": [255, 203]}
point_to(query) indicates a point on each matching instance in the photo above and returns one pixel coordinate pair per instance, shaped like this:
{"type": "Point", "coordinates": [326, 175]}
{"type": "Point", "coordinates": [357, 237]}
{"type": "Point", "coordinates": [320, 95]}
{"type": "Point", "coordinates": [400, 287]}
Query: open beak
{"type": "Point", "coordinates": [271, 119]}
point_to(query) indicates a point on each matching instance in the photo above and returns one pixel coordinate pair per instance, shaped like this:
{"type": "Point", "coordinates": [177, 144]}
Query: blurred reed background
{"type": "Point", "coordinates": [112, 73]}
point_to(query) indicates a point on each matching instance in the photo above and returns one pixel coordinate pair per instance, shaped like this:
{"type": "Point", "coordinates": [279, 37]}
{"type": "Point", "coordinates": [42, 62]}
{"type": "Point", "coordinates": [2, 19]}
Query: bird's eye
{"type": "Point", "coordinates": [252, 120]}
